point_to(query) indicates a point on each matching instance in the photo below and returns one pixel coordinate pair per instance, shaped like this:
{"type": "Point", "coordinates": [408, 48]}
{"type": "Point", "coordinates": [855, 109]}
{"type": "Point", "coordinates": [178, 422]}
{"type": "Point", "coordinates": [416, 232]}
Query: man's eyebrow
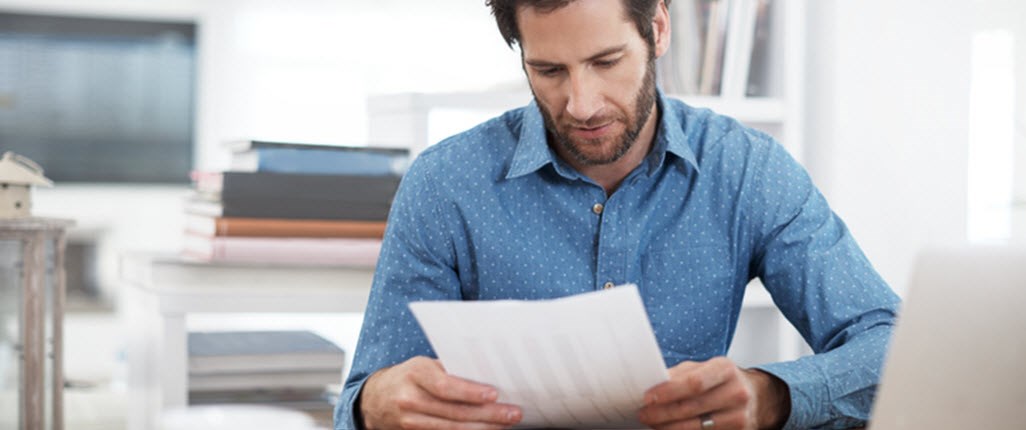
{"type": "Point", "coordinates": [600, 54]}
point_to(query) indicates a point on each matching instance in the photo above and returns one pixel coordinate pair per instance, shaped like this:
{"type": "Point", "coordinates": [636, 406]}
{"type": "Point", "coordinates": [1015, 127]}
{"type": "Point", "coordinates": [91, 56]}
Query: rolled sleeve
{"type": "Point", "coordinates": [346, 410]}
{"type": "Point", "coordinates": [826, 287]}
{"type": "Point", "coordinates": [835, 389]}
{"type": "Point", "coordinates": [416, 263]}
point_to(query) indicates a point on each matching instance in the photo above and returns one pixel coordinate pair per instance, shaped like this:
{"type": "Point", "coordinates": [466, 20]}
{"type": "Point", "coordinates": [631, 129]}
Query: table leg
{"type": "Point", "coordinates": [138, 316]}
{"type": "Point", "coordinates": [174, 357]}
{"type": "Point", "coordinates": [157, 359]}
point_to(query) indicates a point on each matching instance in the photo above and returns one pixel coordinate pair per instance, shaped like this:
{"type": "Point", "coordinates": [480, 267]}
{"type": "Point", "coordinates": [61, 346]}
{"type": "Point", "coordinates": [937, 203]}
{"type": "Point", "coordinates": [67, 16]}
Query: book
{"type": "Point", "coordinates": [301, 399]}
{"type": "Point", "coordinates": [204, 225]}
{"type": "Point", "coordinates": [688, 39]}
{"type": "Point", "coordinates": [264, 380]}
{"type": "Point", "coordinates": [298, 208]}
{"type": "Point", "coordinates": [293, 196]}
{"type": "Point", "coordinates": [234, 352]}
{"type": "Point", "coordinates": [319, 159]}
{"type": "Point", "coordinates": [714, 13]}
{"type": "Point", "coordinates": [759, 70]}
{"type": "Point", "coordinates": [738, 52]}
{"type": "Point", "coordinates": [680, 67]}
{"type": "Point", "coordinates": [272, 186]}
{"type": "Point", "coordinates": [281, 250]}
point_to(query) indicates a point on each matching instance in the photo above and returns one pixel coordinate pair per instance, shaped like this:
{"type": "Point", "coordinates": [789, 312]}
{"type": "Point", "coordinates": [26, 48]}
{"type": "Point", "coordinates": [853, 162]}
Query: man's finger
{"type": "Point", "coordinates": [723, 397]}
{"type": "Point", "coordinates": [689, 380]}
{"type": "Point", "coordinates": [447, 387]}
{"type": "Point", "coordinates": [490, 413]}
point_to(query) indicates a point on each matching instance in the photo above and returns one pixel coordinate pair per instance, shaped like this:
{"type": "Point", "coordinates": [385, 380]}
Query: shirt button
{"type": "Point", "coordinates": [608, 285]}
{"type": "Point", "coordinates": [597, 208]}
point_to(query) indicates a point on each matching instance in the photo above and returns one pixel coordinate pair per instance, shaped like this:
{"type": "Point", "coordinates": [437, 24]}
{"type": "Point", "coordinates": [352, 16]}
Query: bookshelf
{"type": "Point", "coordinates": [418, 120]}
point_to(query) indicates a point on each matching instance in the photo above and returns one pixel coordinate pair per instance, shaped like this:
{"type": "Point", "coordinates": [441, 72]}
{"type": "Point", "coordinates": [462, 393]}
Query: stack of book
{"type": "Point", "coordinates": [718, 48]}
{"type": "Point", "coordinates": [294, 203]}
{"type": "Point", "coordinates": [279, 368]}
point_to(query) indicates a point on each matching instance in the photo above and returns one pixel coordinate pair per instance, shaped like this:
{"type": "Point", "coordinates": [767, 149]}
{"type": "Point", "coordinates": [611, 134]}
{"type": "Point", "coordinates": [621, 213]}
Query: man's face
{"type": "Point", "coordinates": [592, 74]}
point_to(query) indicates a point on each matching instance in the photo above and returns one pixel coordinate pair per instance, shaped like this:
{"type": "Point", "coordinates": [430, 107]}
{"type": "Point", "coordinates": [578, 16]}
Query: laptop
{"type": "Point", "coordinates": [958, 356]}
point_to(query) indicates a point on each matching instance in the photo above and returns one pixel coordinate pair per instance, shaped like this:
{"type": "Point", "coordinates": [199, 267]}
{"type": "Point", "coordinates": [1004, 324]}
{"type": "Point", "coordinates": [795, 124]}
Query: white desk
{"type": "Point", "coordinates": [161, 290]}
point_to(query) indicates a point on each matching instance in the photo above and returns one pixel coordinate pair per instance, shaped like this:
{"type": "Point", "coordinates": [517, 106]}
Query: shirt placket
{"type": "Point", "coordinates": [611, 253]}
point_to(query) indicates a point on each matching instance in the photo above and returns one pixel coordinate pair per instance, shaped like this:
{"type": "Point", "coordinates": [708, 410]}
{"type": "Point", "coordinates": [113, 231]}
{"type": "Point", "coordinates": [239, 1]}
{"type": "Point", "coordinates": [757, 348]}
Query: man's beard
{"type": "Point", "coordinates": [644, 103]}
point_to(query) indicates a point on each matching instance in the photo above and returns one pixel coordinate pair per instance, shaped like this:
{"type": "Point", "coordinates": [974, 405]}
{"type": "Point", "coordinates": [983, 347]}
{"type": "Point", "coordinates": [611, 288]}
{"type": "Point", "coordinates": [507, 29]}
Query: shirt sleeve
{"type": "Point", "coordinates": [417, 263]}
{"type": "Point", "coordinates": [825, 286]}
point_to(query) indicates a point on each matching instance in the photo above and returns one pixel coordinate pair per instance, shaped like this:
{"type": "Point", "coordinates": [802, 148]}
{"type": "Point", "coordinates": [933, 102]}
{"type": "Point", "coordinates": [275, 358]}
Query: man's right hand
{"type": "Point", "coordinates": [418, 394]}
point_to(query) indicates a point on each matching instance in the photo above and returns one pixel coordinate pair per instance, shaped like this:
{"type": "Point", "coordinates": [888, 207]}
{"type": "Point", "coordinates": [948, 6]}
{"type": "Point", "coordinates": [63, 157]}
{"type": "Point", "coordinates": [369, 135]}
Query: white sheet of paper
{"type": "Point", "coordinates": [582, 361]}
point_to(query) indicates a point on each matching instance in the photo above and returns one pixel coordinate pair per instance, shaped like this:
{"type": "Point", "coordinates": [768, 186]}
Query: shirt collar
{"type": "Point", "coordinates": [670, 137]}
{"type": "Point", "coordinates": [533, 152]}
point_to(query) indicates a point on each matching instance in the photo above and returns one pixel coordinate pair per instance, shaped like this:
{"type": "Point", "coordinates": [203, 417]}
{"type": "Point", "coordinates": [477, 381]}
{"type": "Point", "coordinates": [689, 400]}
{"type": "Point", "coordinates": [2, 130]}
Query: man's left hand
{"type": "Point", "coordinates": [716, 395]}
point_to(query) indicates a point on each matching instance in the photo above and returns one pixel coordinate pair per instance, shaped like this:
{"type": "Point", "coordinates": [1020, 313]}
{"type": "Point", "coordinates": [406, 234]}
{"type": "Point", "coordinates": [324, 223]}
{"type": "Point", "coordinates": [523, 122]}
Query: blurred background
{"type": "Point", "coordinates": [910, 116]}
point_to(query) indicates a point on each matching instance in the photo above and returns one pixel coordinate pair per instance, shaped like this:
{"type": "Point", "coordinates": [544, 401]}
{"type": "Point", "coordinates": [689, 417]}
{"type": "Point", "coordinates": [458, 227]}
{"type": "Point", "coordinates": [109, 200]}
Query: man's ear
{"type": "Point", "coordinates": [661, 29]}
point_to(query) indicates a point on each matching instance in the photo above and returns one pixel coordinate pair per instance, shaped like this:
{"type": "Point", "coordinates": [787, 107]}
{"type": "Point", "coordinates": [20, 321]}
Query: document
{"type": "Point", "coordinates": [582, 361]}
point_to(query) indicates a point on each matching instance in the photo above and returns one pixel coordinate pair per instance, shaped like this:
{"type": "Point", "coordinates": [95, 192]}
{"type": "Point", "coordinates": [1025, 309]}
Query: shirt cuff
{"type": "Point", "coordinates": [809, 407]}
{"type": "Point", "coordinates": [346, 409]}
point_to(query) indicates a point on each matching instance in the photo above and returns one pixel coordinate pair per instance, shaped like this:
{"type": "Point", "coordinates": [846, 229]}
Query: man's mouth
{"type": "Point", "coordinates": [592, 132]}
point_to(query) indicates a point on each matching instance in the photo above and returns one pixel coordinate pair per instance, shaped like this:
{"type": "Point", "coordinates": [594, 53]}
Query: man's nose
{"type": "Point", "coordinates": [585, 100]}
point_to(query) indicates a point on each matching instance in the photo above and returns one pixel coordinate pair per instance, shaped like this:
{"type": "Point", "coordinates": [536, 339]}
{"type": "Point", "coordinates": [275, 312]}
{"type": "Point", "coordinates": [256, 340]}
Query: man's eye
{"type": "Point", "coordinates": [549, 71]}
{"type": "Point", "coordinates": [605, 64]}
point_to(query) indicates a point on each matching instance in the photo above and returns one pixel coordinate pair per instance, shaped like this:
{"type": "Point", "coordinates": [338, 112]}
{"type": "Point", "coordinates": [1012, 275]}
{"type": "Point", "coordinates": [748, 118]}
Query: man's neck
{"type": "Point", "coordinates": [609, 176]}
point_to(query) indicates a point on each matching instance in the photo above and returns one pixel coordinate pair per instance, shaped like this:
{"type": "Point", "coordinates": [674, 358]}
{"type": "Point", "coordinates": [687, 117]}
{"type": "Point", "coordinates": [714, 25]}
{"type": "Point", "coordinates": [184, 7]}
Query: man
{"type": "Point", "coordinates": [602, 181]}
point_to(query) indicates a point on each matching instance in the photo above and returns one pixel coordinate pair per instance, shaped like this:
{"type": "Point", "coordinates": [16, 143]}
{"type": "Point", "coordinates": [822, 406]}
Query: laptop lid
{"type": "Point", "coordinates": [958, 356]}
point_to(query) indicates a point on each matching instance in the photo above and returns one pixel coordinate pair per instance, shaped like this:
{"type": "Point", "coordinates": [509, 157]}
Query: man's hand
{"type": "Point", "coordinates": [716, 392]}
{"type": "Point", "coordinates": [418, 394]}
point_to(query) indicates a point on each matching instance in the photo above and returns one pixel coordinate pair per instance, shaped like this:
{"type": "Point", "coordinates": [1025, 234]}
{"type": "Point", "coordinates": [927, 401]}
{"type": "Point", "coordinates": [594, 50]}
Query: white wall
{"type": "Point", "coordinates": [1010, 15]}
{"type": "Point", "coordinates": [888, 122]}
{"type": "Point", "coordinates": [889, 111]}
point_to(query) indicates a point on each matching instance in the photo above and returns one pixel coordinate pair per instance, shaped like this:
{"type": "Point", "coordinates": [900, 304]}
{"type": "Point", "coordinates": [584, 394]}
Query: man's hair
{"type": "Point", "coordinates": [505, 11]}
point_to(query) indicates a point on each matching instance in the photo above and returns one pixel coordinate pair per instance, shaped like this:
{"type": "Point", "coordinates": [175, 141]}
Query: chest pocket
{"type": "Point", "coordinates": [689, 295]}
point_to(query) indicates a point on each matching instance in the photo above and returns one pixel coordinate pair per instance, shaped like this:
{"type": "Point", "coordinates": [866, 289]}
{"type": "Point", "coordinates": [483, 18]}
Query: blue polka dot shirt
{"type": "Point", "coordinates": [493, 213]}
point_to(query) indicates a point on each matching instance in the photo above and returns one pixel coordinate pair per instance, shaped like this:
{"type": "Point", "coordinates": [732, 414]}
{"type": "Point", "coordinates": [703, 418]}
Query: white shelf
{"type": "Point", "coordinates": [761, 110]}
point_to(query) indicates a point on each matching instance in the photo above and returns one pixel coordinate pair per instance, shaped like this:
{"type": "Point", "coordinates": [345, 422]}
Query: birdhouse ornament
{"type": "Point", "coordinates": [17, 176]}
